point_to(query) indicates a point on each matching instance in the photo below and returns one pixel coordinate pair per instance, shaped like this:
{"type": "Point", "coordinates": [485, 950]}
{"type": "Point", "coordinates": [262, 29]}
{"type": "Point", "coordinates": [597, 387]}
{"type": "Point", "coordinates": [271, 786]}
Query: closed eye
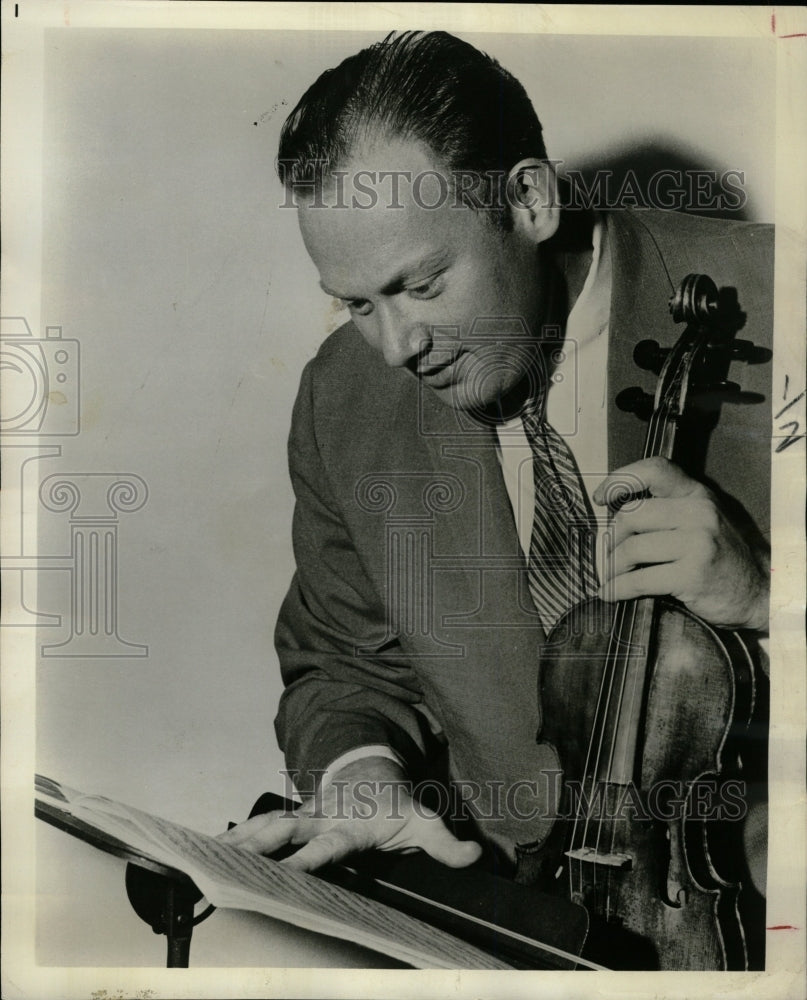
{"type": "Point", "coordinates": [427, 289]}
{"type": "Point", "coordinates": [360, 306]}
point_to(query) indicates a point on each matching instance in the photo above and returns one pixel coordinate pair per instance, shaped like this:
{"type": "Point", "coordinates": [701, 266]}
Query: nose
{"type": "Point", "coordinates": [399, 337]}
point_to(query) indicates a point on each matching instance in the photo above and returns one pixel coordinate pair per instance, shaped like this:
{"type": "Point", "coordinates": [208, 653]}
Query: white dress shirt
{"type": "Point", "coordinates": [577, 400]}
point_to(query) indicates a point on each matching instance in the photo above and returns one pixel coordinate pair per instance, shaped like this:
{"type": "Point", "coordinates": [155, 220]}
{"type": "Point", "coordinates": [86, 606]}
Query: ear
{"type": "Point", "coordinates": [532, 197]}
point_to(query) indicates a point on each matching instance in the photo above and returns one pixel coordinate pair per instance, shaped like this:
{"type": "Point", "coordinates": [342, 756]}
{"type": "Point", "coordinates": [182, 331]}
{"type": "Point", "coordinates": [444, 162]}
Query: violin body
{"type": "Point", "coordinates": [657, 858]}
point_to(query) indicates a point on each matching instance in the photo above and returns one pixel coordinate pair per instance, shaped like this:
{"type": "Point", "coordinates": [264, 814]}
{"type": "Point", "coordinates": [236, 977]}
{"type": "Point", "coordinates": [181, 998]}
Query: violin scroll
{"type": "Point", "coordinates": [695, 300]}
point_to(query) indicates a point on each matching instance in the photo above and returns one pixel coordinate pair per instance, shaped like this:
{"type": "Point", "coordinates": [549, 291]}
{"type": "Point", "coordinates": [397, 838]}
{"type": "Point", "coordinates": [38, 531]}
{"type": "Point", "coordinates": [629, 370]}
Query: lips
{"type": "Point", "coordinates": [438, 373]}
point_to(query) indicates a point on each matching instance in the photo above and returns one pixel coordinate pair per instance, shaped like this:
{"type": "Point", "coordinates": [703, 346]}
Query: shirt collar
{"type": "Point", "coordinates": [590, 313]}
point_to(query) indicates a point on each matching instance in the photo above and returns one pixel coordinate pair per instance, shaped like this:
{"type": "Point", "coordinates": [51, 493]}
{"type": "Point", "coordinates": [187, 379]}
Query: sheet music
{"type": "Point", "coordinates": [232, 877]}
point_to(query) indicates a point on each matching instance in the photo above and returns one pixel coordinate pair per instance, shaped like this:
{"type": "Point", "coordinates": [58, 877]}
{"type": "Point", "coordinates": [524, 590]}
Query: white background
{"type": "Point", "coordinates": [164, 252]}
{"type": "Point", "coordinates": [166, 255]}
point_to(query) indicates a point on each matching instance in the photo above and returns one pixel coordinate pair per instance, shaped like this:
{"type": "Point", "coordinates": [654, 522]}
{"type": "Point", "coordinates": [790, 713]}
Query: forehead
{"type": "Point", "coordinates": [391, 205]}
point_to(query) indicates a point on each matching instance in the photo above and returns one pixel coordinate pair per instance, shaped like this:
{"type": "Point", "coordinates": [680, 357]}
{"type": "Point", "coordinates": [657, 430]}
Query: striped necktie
{"type": "Point", "coordinates": [562, 567]}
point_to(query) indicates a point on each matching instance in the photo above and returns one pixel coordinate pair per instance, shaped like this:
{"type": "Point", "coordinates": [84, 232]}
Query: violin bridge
{"type": "Point", "coordinates": [622, 862]}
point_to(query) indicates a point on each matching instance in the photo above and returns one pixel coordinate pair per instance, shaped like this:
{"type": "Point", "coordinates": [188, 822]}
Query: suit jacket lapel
{"type": "Point", "coordinates": [470, 450]}
{"type": "Point", "coordinates": [484, 526]}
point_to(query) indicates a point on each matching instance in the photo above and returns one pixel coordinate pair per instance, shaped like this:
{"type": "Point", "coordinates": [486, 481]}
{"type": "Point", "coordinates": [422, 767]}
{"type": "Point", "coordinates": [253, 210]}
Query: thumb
{"type": "Point", "coordinates": [438, 842]}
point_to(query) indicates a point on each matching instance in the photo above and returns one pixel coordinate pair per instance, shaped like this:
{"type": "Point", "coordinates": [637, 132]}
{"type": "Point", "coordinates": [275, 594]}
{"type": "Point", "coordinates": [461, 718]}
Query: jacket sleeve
{"type": "Point", "coordinates": [335, 698]}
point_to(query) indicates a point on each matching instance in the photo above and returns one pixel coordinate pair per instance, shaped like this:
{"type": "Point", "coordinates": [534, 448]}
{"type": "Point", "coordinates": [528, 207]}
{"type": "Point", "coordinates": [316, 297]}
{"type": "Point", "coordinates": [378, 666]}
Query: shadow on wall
{"type": "Point", "coordinates": [653, 175]}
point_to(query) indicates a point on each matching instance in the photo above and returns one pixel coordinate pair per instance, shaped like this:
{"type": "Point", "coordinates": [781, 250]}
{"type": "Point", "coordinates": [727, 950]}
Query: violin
{"type": "Point", "coordinates": [648, 709]}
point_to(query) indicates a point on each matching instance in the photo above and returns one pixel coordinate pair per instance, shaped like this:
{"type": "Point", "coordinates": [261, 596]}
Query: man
{"type": "Point", "coordinates": [411, 636]}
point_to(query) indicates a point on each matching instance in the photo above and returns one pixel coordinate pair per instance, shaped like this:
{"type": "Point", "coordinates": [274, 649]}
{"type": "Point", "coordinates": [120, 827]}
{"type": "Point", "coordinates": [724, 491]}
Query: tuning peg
{"type": "Point", "coordinates": [744, 350]}
{"type": "Point", "coordinates": [648, 355]}
{"type": "Point", "coordinates": [740, 349]}
{"type": "Point", "coordinates": [720, 387]}
{"type": "Point", "coordinates": [635, 400]}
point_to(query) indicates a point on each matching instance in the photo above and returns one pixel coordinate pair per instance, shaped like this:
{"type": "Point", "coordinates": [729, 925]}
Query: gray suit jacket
{"type": "Point", "coordinates": [409, 622]}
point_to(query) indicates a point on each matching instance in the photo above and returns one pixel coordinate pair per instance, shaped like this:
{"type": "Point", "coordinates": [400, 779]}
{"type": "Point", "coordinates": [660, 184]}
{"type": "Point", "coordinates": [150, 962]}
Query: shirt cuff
{"type": "Point", "coordinates": [358, 753]}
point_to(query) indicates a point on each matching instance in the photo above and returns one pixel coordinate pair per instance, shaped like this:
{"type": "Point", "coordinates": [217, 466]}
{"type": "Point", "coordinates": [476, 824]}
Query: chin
{"type": "Point", "coordinates": [466, 398]}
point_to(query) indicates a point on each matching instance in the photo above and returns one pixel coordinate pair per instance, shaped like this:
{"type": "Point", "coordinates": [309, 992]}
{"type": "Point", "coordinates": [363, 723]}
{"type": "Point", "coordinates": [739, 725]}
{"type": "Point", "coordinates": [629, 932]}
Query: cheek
{"type": "Point", "coordinates": [472, 307]}
{"type": "Point", "coordinates": [502, 289]}
{"type": "Point", "coordinates": [367, 331]}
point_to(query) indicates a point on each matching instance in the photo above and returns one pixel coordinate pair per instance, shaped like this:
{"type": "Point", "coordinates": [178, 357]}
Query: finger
{"type": "Point", "coordinates": [264, 834]}
{"type": "Point", "coordinates": [246, 829]}
{"type": "Point", "coordinates": [658, 475]}
{"type": "Point", "coordinates": [651, 548]}
{"type": "Point", "coordinates": [324, 849]}
{"type": "Point", "coordinates": [427, 831]}
{"type": "Point", "coordinates": [651, 514]}
{"type": "Point", "coordinates": [649, 581]}
{"type": "Point", "coordinates": [443, 846]}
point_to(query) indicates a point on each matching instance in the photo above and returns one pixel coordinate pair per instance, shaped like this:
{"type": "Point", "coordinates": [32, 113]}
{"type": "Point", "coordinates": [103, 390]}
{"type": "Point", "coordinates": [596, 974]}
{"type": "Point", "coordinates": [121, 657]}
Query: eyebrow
{"type": "Point", "coordinates": [398, 280]}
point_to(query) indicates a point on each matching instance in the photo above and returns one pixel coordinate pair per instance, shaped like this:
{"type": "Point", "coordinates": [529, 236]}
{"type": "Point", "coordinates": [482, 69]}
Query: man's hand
{"type": "Point", "coordinates": [365, 806]}
{"type": "Point", "coordinates": [679, 542]}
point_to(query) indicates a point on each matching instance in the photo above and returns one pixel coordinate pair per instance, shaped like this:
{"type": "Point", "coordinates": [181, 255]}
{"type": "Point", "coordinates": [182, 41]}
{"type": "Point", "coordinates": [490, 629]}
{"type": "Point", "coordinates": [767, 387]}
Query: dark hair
{"type": "Point", "coordinates": [427, 86]}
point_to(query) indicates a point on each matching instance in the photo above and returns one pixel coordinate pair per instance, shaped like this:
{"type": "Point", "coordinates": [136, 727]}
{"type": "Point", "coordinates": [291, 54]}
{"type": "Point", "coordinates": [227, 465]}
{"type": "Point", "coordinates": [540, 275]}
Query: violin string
{"type": "Point", "coordinates": [613, 666]}
{"type": "Point", "coordinates": [629, 609]}
{"type": "Point", "coordinates": [659, 426]}
{"type": "Point", "coordinates": [638, 610]}
{"type": "Point", "coordinates": [603, 708]}
{"type": "Point", "coordinates": [591, 769]}
{"type": "Point", "coordinates": [624, 647]}
{"type": "Point", "coordinates": [662, 421]}
{"type": "Point", "coordinates": [617, 666]}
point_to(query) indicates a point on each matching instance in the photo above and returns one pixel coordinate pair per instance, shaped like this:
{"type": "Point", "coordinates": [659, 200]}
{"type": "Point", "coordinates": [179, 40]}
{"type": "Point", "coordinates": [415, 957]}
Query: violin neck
{"type": "Point", "coordinates": [631, 637]}
{"type": "Point", "coordinates": [629, 656]}
{"type": "Point", "coordinates": [661, 434]}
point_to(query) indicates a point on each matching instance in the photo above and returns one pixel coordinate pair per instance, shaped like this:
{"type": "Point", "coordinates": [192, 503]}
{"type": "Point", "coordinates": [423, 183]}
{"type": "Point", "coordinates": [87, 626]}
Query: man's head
{"type": "Point", "coordinates": [440, 268]}
{"type": "Point", "coordinates": [432, 88]}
